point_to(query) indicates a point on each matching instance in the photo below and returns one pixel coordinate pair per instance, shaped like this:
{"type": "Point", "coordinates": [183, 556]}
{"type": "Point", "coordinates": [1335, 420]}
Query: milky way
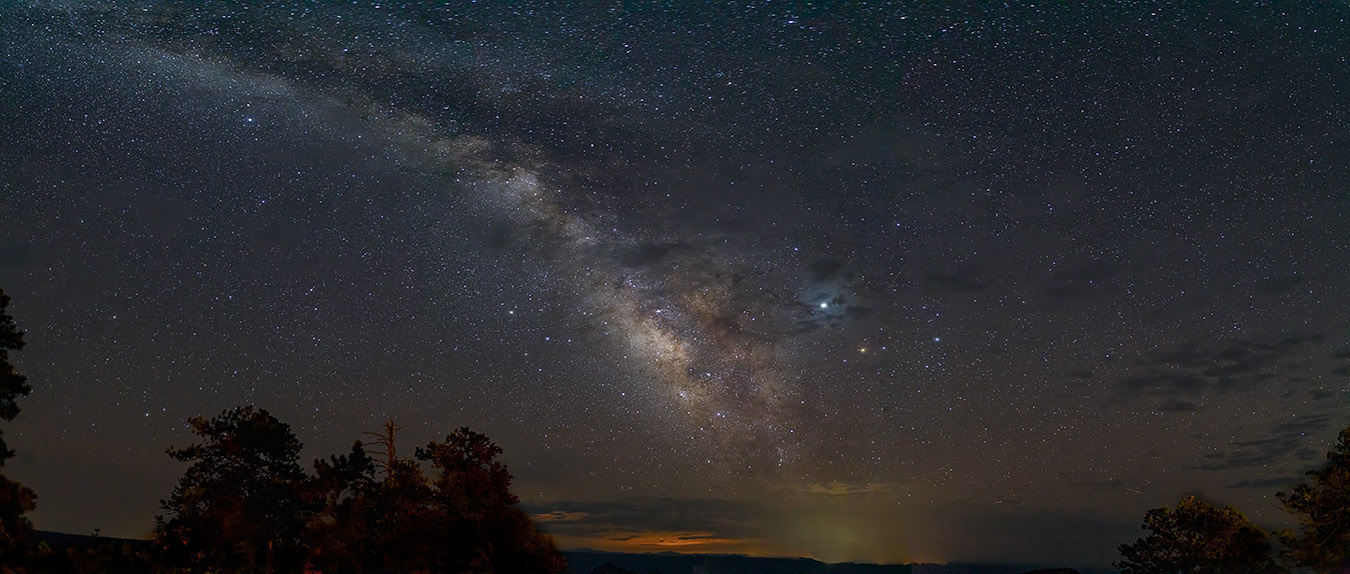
{"type": "Point", "coordinates": [859, 282]}
{"type": "Point", "coordinates": [693, 324]}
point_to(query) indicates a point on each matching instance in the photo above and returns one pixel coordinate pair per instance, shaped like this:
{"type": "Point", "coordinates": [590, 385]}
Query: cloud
{"type": "Point", "coordinates": [1343, 370]}
{"type": "Point", "coordinates": [1108, 485]}
{"type": "Point", "coordinates": [663, 540]}
{"type": "Point", "coordinates": [1279, 442]}
{"type": "Point", "coordinates": [652, 253]}
{"type": "Point", "coordinates": [1080, 283]}
{"type": "Point", "coordinates": [559, 516]}
{"type": "Point", "coordinates": [825, 269]}
{"type": "Point", "coordinates": [1198, 367]}
{"type": "Point", "coordinates": [962, 281]}
{"type": "Point", "coordinates": [726, 518]}
{"type": "Point", "coordinates": [1265, 483]}
{"type": "Point", "coordinates": [656, 525]}
{"type": "Point", "coordinates": [1278, 285]}
{"type": "Point", "coordinates": [17, 254]}
{"type": "Point", "coordinates": [1165, 384]}
{"type": "Point", "coordinates": [1179, 407]}
{"type": "Point", "coordinates": [844, 489]}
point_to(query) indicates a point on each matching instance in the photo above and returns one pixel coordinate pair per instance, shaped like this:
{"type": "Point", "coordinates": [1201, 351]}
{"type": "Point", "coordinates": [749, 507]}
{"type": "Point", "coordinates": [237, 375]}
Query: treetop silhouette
{"type": "Point", "coordinates": [1198, 537]}
{"type": "Point", "coordinates": [245, 505]}
{"type": "Point", "coordinates": [16, 500]}
{"type": "Point", "coordinates": [239, 505]}
{"type": "Point", "coordinates": [1322, 506]}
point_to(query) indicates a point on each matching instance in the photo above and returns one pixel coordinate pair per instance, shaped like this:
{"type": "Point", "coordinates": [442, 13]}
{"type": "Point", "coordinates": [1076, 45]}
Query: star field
{"type": "Point", "coordinates": [872, 282]}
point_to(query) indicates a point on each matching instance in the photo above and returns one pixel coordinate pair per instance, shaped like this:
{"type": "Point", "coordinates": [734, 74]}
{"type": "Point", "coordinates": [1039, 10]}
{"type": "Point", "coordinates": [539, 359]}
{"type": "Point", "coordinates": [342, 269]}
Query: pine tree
{"type": "Point", "coordinates": [240, 506]}
{"type": "Point", "coordinates": [340, 534]}
{"type": "Point", "coordinates": [1322, 506]}
{"type": "Point", "coordinates": [484, 529]}
{"type": "Point", "coordinates": [16, 532]}
{"type": "Point", "coordinates": [1198, 537]}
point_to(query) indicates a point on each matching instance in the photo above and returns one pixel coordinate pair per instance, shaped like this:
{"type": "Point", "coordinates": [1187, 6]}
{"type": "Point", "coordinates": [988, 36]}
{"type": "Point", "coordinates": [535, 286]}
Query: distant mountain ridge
{"type": "Point", "coordinates": [588, 561]}
{"type": "Point", "coordinates": [66, 540]}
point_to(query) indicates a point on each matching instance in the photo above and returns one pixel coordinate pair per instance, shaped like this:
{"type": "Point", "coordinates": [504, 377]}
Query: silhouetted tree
{"type": "Point", "coordinates": [1322, 506]}
{"type": "Point", "coordinates": [16, 532]}
{"type": "Point", "coordinates": [1198, 537]}
{"type": "Point", "coordinates": [476, 514]}
{"type": "Point", "coordinates": [109, 558]}
{"type": "Point", "coordinates": [239, 507]}
{"type": "Point", "coordinates": [398, 511]}
{"type": "Point", "coordinates": [385, 445]}
{"type": "Point", "coordinates": [339, 535]}
{"type": "Point", "coordinates": [471, 481]}
{"type": "Point", "coordinates": [408, 530]}
{"type": "Point", "coordinates": [245, 505]}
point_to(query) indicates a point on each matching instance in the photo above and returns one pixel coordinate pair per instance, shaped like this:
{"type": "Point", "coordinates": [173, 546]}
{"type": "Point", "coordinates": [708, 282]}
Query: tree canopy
{"type": "Point", "coordinates": [239, 506]}
{"type": "Point", "coordinates": [1198, 537]}
{"type": "Point", "coordinates": [12, 384]}
{"type": "Point", "coordinates": [1322, 506]}
{"type": "Point", "coordinates": [246, 505]}
{"type": "Point", "coordinates": [476, 512]}
{"type": "Point", "coordinates": [339, 535]}
{"type": "Point", "coordinates": [16, 500]}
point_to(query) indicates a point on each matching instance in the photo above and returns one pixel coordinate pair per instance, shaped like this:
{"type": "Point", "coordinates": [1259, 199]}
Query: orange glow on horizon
{"type": "Point", "coordinates": [685, 542]}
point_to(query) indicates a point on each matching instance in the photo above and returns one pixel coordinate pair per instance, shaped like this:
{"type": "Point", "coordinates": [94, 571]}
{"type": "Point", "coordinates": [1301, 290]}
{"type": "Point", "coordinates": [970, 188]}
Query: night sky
{"type": "Point", "coordinates": [892, 282]}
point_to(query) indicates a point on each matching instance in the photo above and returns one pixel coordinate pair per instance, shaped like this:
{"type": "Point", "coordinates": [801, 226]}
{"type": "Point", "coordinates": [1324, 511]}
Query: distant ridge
{"type": "Point", "coordinates": [586, 561]}
{"type": "Point", "coordinates": [64, 540]}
